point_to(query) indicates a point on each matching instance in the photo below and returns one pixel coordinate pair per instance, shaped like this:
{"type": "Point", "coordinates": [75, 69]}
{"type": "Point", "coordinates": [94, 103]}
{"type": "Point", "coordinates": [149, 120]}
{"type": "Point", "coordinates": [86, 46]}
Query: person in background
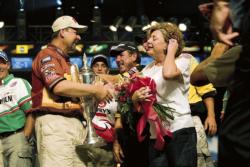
{"type": "Point", "coordinates": [234, 136]}
{"type": "Point", "coordinates": [16, 121]}
{"type": "Point", "coordinates": [56, 100]}
{"type": "Point", "coordinates": [128, 151]}
{"type": "Point", "coordinates": [99, 64]}
{"type": "Point", "coordinates": [103, 121]}
{"type": "Point", "coordinates": [201, 100]}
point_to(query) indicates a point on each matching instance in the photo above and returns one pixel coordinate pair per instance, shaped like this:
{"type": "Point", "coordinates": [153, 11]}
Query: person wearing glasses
{"type": "Point", "coordinates": [56, 98]}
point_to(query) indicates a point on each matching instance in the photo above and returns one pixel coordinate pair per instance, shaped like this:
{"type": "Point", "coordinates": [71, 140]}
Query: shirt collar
{"type": "Point", "coordinates": [58, 50]}
{"type": "Point", "coordinates": [7, 79]}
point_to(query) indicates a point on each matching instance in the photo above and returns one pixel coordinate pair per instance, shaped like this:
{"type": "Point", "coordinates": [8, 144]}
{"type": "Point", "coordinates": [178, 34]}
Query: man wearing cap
{"type": "Point", "coordinates": [127, 150]}
{"type": "Point", "coordinates": [16, 122]}
{"type": "Point", "coordinates": [99, 64]}
{"type": "Point", "coordinates": [127, 58]}
{"type": "Point", "coordinates": [55, 98]}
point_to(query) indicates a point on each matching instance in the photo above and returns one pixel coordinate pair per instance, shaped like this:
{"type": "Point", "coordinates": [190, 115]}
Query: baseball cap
{"type": "Point", "coordinates": [117, 49]}
{"type": "Point", "coordinates": [67, 21]}
{"type": "Point", "coordinates": [98, 58]}
{"type": "Point", "coordinates": [4, 56]}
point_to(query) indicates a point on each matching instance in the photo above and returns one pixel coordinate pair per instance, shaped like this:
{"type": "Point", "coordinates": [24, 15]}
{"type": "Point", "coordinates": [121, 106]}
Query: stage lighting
{"type": "Point", "coordinates": [21, 5]}
{"type": "Point", "coordinates": [2, 36]}
{"type": "Point", "coordinates": [184, 24]}
{"type": "Point", "coordinates": [131, 23]}
{"type": "Point", "coordinates": [1, 24]}
{"type": "Point", "coordinates": [21, 26]}
{"type": "Point", "coordinates": [156, 21]}
{"type": "Point", "coordinates": [117, 22]}
{"type": "Point", "coordinates": [145, 22]}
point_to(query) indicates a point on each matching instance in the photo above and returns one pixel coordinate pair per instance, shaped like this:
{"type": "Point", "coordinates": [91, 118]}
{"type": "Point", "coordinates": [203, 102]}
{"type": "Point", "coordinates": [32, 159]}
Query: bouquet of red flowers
{"type": "Point", "coordinates": [151, 110]}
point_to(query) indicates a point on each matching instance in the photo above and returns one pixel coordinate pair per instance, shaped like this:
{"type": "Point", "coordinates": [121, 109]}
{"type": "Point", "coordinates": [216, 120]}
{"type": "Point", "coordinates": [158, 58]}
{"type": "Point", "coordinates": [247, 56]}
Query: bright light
{"type": "Point", "coordinates": [128, 28]}
{"type": "Point", "coordinates": [184, 24]}
{"type": "Point", "coordinates": [130, 24]}
{"type": "Point", "coordinates": [146, 27]}
{"type": "Point", "coordinates": [182, 27]}
{"type": "Point", "coordinates": [113, 28]}
{"type": "Point", "coordinates": [153, 23]}
{"type": "Point", "coordinates": [1, 24]}
{"type": "Point", "coordinates": [59, 2]}
{"type": "Point", "coordinates": [117, 22]}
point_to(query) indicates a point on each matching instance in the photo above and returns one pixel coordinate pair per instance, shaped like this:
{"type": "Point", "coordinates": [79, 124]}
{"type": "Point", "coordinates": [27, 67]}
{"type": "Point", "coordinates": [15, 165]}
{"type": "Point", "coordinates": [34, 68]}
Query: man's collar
{"type": "Point", "coordinates": [7, 79]}
{"type": "Point", "coordinates": [58, 50]}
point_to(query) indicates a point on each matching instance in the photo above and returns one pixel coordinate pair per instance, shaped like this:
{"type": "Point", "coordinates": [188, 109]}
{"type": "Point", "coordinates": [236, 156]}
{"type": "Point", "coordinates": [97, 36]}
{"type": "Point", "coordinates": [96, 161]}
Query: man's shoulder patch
{"type": "Point", "coordinates": [46, 59]}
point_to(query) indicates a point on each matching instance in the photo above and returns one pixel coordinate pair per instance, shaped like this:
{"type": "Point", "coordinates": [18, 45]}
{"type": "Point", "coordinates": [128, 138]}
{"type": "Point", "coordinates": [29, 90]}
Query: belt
{"type": "Point", "coordinates": [7, 134]}
{"type": "Point", "coordinates": [70, 115]}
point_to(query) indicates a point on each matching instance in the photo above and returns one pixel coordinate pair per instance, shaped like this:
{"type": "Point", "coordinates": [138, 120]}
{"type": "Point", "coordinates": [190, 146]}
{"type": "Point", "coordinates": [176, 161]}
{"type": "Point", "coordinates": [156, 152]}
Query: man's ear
{"type": "Point", "coordinates": [8, 67]}
{"type": "Point", "coordinates": [61, 33]}
{"type": "Point", "coordinates": [134, 56]}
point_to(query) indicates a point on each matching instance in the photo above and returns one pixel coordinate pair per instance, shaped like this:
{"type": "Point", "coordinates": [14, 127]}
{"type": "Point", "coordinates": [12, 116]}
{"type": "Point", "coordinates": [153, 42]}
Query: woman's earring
{"type": "Point", "coordinates": [165, 51]}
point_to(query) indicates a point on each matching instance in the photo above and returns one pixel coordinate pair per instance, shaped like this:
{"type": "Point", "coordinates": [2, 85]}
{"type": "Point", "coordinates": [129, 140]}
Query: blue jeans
{"type": "Point", "coordinates": [180, 151]}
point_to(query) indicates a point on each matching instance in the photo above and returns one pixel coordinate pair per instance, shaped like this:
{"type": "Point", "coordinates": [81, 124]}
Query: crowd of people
{"type": "Point", "coordinates": [161, 123]}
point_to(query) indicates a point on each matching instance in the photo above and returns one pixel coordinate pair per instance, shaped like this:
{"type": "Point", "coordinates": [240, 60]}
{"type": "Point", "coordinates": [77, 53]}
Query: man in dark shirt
{"type": "Point", "coordinates": [234, 136]}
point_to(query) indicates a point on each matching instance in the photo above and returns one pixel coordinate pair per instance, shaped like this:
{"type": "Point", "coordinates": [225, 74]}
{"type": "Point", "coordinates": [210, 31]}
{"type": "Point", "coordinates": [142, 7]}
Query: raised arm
{"type": "Point", "coordinates": [221, 25]}
{"type": "Point", "coordinates": [170, 69]}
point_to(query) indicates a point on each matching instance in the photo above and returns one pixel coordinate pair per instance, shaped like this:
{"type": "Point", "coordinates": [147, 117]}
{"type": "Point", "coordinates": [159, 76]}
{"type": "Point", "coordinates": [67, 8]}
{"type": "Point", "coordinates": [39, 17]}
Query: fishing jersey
{"type": "Point", "coordinates": [15, 101]}
{"type": "Point", "coordinates": [104, 120]}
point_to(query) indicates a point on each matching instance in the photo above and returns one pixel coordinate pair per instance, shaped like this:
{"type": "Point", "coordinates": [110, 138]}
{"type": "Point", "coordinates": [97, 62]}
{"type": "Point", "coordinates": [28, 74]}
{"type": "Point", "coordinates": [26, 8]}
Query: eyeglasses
{"type": "Point", "coordinates": [72, 31]}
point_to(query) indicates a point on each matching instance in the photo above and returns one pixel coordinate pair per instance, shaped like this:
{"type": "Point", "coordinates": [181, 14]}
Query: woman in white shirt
{"type": "Point", "coordinates": [170, 71]}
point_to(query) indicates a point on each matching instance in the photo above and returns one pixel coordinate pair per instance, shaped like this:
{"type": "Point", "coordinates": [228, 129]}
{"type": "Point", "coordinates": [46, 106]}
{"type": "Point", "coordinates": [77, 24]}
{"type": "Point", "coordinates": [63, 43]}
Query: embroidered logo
{"type": "Point", "coordinates": [46, 59]}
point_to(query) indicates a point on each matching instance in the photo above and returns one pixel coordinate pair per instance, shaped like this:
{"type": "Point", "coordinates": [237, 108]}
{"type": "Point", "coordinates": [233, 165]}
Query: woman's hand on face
{"type": "Point", "coordinates": [172, 45]}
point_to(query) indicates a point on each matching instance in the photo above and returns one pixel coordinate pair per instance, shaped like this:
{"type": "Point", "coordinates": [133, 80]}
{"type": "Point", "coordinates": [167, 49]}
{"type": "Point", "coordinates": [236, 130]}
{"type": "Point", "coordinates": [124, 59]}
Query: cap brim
{"type": "Point", "coordinates": [6, 60]}
{"type": "Point", "coordinates": [116, 50]}
{"type": "Point", "coordinates": [80, 28]}
{"type": "Point", "coordinates": [98, 59]}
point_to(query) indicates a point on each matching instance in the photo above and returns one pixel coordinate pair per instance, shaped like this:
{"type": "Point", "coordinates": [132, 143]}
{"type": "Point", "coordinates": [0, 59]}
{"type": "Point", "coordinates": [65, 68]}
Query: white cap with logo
{"type": "Point", "coordinates": [67, 21]}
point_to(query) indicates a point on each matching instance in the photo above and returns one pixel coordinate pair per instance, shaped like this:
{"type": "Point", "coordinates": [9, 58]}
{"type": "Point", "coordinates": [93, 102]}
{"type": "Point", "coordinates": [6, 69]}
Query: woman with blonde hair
{"type": "Point", "coordinates": [170, 71]}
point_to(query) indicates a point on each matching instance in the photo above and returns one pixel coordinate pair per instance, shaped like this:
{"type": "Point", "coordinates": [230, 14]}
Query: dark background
{"type": "Point", "coordinates": [42, 12]}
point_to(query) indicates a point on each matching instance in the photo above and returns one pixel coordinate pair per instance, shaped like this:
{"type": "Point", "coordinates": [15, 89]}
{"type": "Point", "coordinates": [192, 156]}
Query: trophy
{"type": "Point", "coordinates": [93, 140]}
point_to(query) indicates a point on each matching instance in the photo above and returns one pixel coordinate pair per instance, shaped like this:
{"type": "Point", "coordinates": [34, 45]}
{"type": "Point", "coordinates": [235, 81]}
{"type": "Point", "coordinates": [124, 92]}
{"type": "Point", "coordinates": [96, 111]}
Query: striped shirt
{"type": "Point", "coordinates": [15, 101]}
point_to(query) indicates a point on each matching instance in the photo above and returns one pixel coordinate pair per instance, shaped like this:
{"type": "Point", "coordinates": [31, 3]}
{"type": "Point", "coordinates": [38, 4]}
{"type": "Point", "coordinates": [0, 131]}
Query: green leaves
{"type": "Point", "coordinates": [164, 112]}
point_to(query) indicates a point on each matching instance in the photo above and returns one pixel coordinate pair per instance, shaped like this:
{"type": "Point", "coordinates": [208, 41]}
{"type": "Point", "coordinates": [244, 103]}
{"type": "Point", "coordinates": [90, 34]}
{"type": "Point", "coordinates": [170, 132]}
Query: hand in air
{"type": "Point", "coordinates": [172, 45]}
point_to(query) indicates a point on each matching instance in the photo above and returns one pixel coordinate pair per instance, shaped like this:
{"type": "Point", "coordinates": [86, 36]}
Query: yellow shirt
{"type": "Point", "coordinates": [196, 93]}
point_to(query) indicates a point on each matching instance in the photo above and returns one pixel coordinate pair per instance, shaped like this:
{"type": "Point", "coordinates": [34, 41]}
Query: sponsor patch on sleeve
{"type": "Point", "coordinates": [46, 59]}
{"type": "Point", "coordinates": [50, 75]}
